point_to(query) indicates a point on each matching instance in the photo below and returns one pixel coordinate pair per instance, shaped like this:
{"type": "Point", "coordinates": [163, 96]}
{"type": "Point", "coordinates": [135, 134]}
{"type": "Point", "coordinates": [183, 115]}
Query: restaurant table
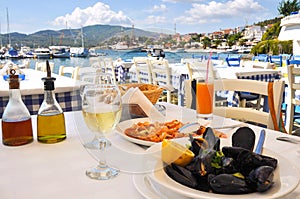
{"type": "Point", "coordinates": [39, 170]}
{"type": "Point", "coordinates": [32, 91]}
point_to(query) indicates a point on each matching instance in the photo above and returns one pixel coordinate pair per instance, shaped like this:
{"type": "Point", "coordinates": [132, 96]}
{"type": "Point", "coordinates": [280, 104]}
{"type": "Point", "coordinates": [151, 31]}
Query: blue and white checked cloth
{"type": "Point", "coordinates": [69, 101]}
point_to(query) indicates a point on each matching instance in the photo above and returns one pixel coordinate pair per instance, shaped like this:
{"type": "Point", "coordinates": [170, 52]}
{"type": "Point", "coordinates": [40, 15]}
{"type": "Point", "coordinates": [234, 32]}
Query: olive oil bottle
{"type": "Point", "coordinates": [50, 119]}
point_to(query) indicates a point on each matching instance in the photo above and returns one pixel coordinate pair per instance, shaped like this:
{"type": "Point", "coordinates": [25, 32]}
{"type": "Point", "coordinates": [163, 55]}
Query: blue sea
{"type": "Point", "coordinates": [86, 62]}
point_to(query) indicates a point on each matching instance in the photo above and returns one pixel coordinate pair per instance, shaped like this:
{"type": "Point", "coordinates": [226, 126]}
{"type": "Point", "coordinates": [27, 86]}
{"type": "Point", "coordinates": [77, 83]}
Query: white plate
{"type": "Point", "coordinates": [128, 123]}
{"type": "Point", "coordinates": [149, 193]}
{"type": "Point", "coordinates": [286, 180]}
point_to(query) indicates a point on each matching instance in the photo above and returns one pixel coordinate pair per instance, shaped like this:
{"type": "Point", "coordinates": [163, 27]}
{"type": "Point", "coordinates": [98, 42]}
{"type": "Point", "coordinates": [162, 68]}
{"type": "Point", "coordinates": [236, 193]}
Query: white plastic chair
{"type": "Point", "coordinates": [250, 114]}
{"type": "Point", "coordinates": [143, 69]}
{"type": "Point", "coordinates": [41, 66]}
{"type": "Point", "coordinates": [72, 72]}
{"type": "Point", "coordinates": [108, 66]}
{"type": "Point", "coordinates": [161, 75]}
{"type": "Point", "coordinates": [292, 100]}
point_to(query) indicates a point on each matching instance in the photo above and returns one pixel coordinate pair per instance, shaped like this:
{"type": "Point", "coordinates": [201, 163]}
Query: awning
{"type": "Point", "coordinates": [289, 33]}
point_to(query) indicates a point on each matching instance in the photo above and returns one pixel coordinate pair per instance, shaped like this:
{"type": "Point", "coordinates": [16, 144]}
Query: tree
{"type": "Point", "coordinates": [286, 7]}
{"type": "Point", "coordinates": [206, 42]}
{"type": "Point", "coordinates": [272, 33]}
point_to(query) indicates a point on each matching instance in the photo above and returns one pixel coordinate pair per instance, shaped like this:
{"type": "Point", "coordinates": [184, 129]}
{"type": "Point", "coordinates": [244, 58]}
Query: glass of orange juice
{"type": "Point", "coordinates": [204, 98]}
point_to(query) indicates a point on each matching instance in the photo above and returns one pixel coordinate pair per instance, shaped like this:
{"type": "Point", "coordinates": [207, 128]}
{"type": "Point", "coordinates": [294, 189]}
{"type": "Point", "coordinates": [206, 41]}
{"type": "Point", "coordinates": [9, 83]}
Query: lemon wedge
{"type": "Point", "coordinates": [173, 152]}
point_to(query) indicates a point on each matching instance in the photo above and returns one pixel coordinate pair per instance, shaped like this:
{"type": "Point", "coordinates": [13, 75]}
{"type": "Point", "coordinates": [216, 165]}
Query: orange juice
{"type": "Point", "coordinates": [204, 93]}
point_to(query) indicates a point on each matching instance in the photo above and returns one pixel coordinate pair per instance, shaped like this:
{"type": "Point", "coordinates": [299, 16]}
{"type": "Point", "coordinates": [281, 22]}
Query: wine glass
{"type": "Point", "coordinates": [101, 110]}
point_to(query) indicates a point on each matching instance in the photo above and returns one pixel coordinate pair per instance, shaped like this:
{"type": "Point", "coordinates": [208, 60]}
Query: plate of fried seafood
{"type": "Point", "coordinates": [144, 132]}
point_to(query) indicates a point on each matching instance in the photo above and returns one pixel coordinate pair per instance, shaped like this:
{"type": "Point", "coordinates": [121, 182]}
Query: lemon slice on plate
{"type": "Point", "coordinates": [173, 152]}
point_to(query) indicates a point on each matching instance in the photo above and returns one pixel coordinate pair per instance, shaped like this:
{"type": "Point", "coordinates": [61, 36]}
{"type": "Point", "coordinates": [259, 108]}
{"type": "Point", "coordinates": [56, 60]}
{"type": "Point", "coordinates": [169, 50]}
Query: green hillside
{"type": "Point", "coordinates": [93, 36]}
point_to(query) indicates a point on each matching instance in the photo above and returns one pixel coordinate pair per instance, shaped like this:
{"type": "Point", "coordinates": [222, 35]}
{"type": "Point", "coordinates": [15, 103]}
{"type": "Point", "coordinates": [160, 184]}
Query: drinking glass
{"type": "Point", "coordinates": [101, 110]}
{"type": "Point", "coordinates": [204, 98]}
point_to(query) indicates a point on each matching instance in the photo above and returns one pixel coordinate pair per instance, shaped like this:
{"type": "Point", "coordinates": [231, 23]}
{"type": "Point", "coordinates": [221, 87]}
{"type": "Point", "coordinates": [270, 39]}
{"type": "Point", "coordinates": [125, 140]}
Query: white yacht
{"type": "Point", "coordinates": [41, 53]}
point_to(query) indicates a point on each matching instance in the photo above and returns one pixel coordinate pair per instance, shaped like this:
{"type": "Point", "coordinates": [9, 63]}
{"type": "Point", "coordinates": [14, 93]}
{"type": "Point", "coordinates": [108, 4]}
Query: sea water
{"type": "Point", "coordinates": [86, 62]}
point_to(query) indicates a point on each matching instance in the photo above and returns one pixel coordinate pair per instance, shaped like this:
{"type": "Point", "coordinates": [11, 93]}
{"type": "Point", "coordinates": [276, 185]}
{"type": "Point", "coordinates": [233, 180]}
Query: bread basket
{"type": "Point", "coordinates": [151, 91]}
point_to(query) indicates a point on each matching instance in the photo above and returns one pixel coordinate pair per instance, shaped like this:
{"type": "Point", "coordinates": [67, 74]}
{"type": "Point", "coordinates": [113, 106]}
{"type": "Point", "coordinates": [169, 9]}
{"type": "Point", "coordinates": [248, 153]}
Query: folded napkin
{"type": "Point", "coordinates": [136, 96]}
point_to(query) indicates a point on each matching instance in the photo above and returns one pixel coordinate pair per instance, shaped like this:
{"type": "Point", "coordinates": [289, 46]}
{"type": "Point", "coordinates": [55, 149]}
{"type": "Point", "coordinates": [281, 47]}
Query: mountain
{"type": "Point", "coordinates": [93, 36]}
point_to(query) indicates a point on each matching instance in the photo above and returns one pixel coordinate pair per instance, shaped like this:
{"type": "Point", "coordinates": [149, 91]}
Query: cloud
{"type": "Point", "coordinates": [183, 1]}
{"type": "Point", "coordinates": [159, 8]}
{"type": "Point", "coordinates": [218, 11]}
{"type": "Point", "coordinates": [100, 13]}
{"type": "Point", "coordinates": [154, 20]}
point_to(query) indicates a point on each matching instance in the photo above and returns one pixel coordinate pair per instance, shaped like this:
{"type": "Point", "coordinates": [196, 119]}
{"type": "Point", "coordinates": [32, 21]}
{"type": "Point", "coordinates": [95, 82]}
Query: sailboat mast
{"type": "Point", "coordinates": [82, 42]}
{"type": "Point", "coordinates": [1, 44]}
{"type": "Point", "coordinates": [8, 30]}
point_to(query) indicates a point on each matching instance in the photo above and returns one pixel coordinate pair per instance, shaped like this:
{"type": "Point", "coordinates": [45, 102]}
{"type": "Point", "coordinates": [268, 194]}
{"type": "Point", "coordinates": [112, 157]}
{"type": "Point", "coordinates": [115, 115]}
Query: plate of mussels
{"type": "Point", "coordinates": [220, 171]}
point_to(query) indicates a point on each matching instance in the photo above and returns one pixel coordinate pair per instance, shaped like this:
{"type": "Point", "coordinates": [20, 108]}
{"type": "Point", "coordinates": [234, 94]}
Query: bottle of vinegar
{"type": "Point", "coordinates": [50, 119]}
{"type": "Point", "coordinates": [16, 119]}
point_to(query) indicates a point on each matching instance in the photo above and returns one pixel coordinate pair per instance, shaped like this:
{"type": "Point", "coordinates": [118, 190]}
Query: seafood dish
{"type": "Point", "coordinates": [156, 132]}
{"type": "Point", "coordinates": [230, 170]}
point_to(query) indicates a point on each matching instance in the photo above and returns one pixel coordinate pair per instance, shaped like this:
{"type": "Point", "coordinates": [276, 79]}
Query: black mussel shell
{"type": "Point", "coordinates": [244, 137]}
{"type": "Point", "coordinates": [229, 184]}
{"type": "Point", "coordinates": [261, 179]}
{"type": "Point", "coordinates": [232, 152]}
{"type": "Point", "coordinates": [228, 165]}
{"type": "Point", "coordinates": [247, 161]}
{"type": "Point", "coordinates": [181, 175]}
{"type": "Point", "coordinates": [201, 165]}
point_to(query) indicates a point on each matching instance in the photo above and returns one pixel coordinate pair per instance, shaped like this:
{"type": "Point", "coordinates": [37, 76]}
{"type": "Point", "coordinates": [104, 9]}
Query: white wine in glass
{"type": "Point", "coordinates": [101, 109]}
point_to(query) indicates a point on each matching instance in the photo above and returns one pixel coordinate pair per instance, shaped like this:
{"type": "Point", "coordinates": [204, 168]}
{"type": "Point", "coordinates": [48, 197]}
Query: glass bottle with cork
{"type": "Point", "coordinates": [50, 119]}
{"type": "Point", "coordinates": [16, 119]}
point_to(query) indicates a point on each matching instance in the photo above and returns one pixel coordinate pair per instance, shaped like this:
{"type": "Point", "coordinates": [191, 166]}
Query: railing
{"type": "Point", "coordinates": [290, 20]}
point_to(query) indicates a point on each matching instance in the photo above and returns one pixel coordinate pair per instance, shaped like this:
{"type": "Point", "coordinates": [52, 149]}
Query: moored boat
{"type": "Point", "coordinates": [41, 53]}
{"type": "Point", "coordinates": [60, 51]}
{"type": "Point", "coordinates": [79, 52]}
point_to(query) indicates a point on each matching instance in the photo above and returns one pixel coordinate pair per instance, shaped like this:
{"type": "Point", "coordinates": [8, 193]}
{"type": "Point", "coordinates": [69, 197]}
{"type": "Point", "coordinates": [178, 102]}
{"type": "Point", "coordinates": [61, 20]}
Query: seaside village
{"type": "Point", "coordinates": [200, 115]}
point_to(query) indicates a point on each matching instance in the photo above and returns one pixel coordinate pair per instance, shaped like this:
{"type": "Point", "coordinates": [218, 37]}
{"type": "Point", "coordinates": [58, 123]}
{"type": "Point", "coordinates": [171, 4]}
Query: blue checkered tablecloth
{"type": "Point", "coordinates": [69, 101]}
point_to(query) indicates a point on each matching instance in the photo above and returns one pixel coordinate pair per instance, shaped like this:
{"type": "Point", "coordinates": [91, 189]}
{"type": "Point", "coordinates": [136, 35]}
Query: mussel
{"type": "Point", "coordinates": [229, 184]}
{"type": "Point", "coordinates": [261, 178]}
{"type": "Point", "coordinates": [247, 160]}
{"type": "Point", "coordinates": [181, 175]}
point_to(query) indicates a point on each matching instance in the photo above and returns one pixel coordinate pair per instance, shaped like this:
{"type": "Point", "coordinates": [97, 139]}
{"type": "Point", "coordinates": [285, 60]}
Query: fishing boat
{"type": "Point", "coordinates": [41, 53]}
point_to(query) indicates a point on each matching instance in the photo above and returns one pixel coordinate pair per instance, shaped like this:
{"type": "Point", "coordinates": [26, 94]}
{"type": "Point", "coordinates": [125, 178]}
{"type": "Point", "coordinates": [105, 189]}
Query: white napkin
{"type": "Point", "coordinates": [136, 96]}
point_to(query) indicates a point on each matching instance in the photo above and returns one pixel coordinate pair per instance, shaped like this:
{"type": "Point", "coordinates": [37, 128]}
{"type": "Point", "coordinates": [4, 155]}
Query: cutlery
{"type": "Point", "coordinates": [261, 141]}
{"type": "Point", "coordinates": [150, 184]}
{"type": "Point", "coordinates": [181, 129]}
{"type": "Point", "coordinates": [289, 139]}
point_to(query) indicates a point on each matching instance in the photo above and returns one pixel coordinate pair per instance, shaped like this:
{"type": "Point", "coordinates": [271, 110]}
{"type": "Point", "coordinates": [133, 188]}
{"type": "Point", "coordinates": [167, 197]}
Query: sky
{"type": "Point", "coordinates": [163, 16]}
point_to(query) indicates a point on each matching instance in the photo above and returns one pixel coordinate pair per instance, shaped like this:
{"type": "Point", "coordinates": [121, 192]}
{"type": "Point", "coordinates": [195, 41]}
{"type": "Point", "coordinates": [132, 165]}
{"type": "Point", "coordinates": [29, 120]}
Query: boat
{"type": "Point", "coordinates": [60, 51]}
{"type": "Point", "coordinates": [80, 51]}
{"type": "Point", "coordinates": [26, 52]}
{"type": "Point", "coordinates": [41, 53]}
{"type": "Point", "coordinates": [94, 53]}
{"type": "Point", "coordinates": [124, 47]}
{"type": "Point", "coordinates": [156, 52]}
{"type": "Point", "coordinates": [12, 53]}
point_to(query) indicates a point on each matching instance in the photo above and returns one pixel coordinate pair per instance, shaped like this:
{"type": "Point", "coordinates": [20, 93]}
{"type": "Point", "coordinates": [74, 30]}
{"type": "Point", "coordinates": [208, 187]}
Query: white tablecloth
{"type": "Point", "coordinates": [34, 85]}
{"type": "Point", "coordinates": [58, 170]}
